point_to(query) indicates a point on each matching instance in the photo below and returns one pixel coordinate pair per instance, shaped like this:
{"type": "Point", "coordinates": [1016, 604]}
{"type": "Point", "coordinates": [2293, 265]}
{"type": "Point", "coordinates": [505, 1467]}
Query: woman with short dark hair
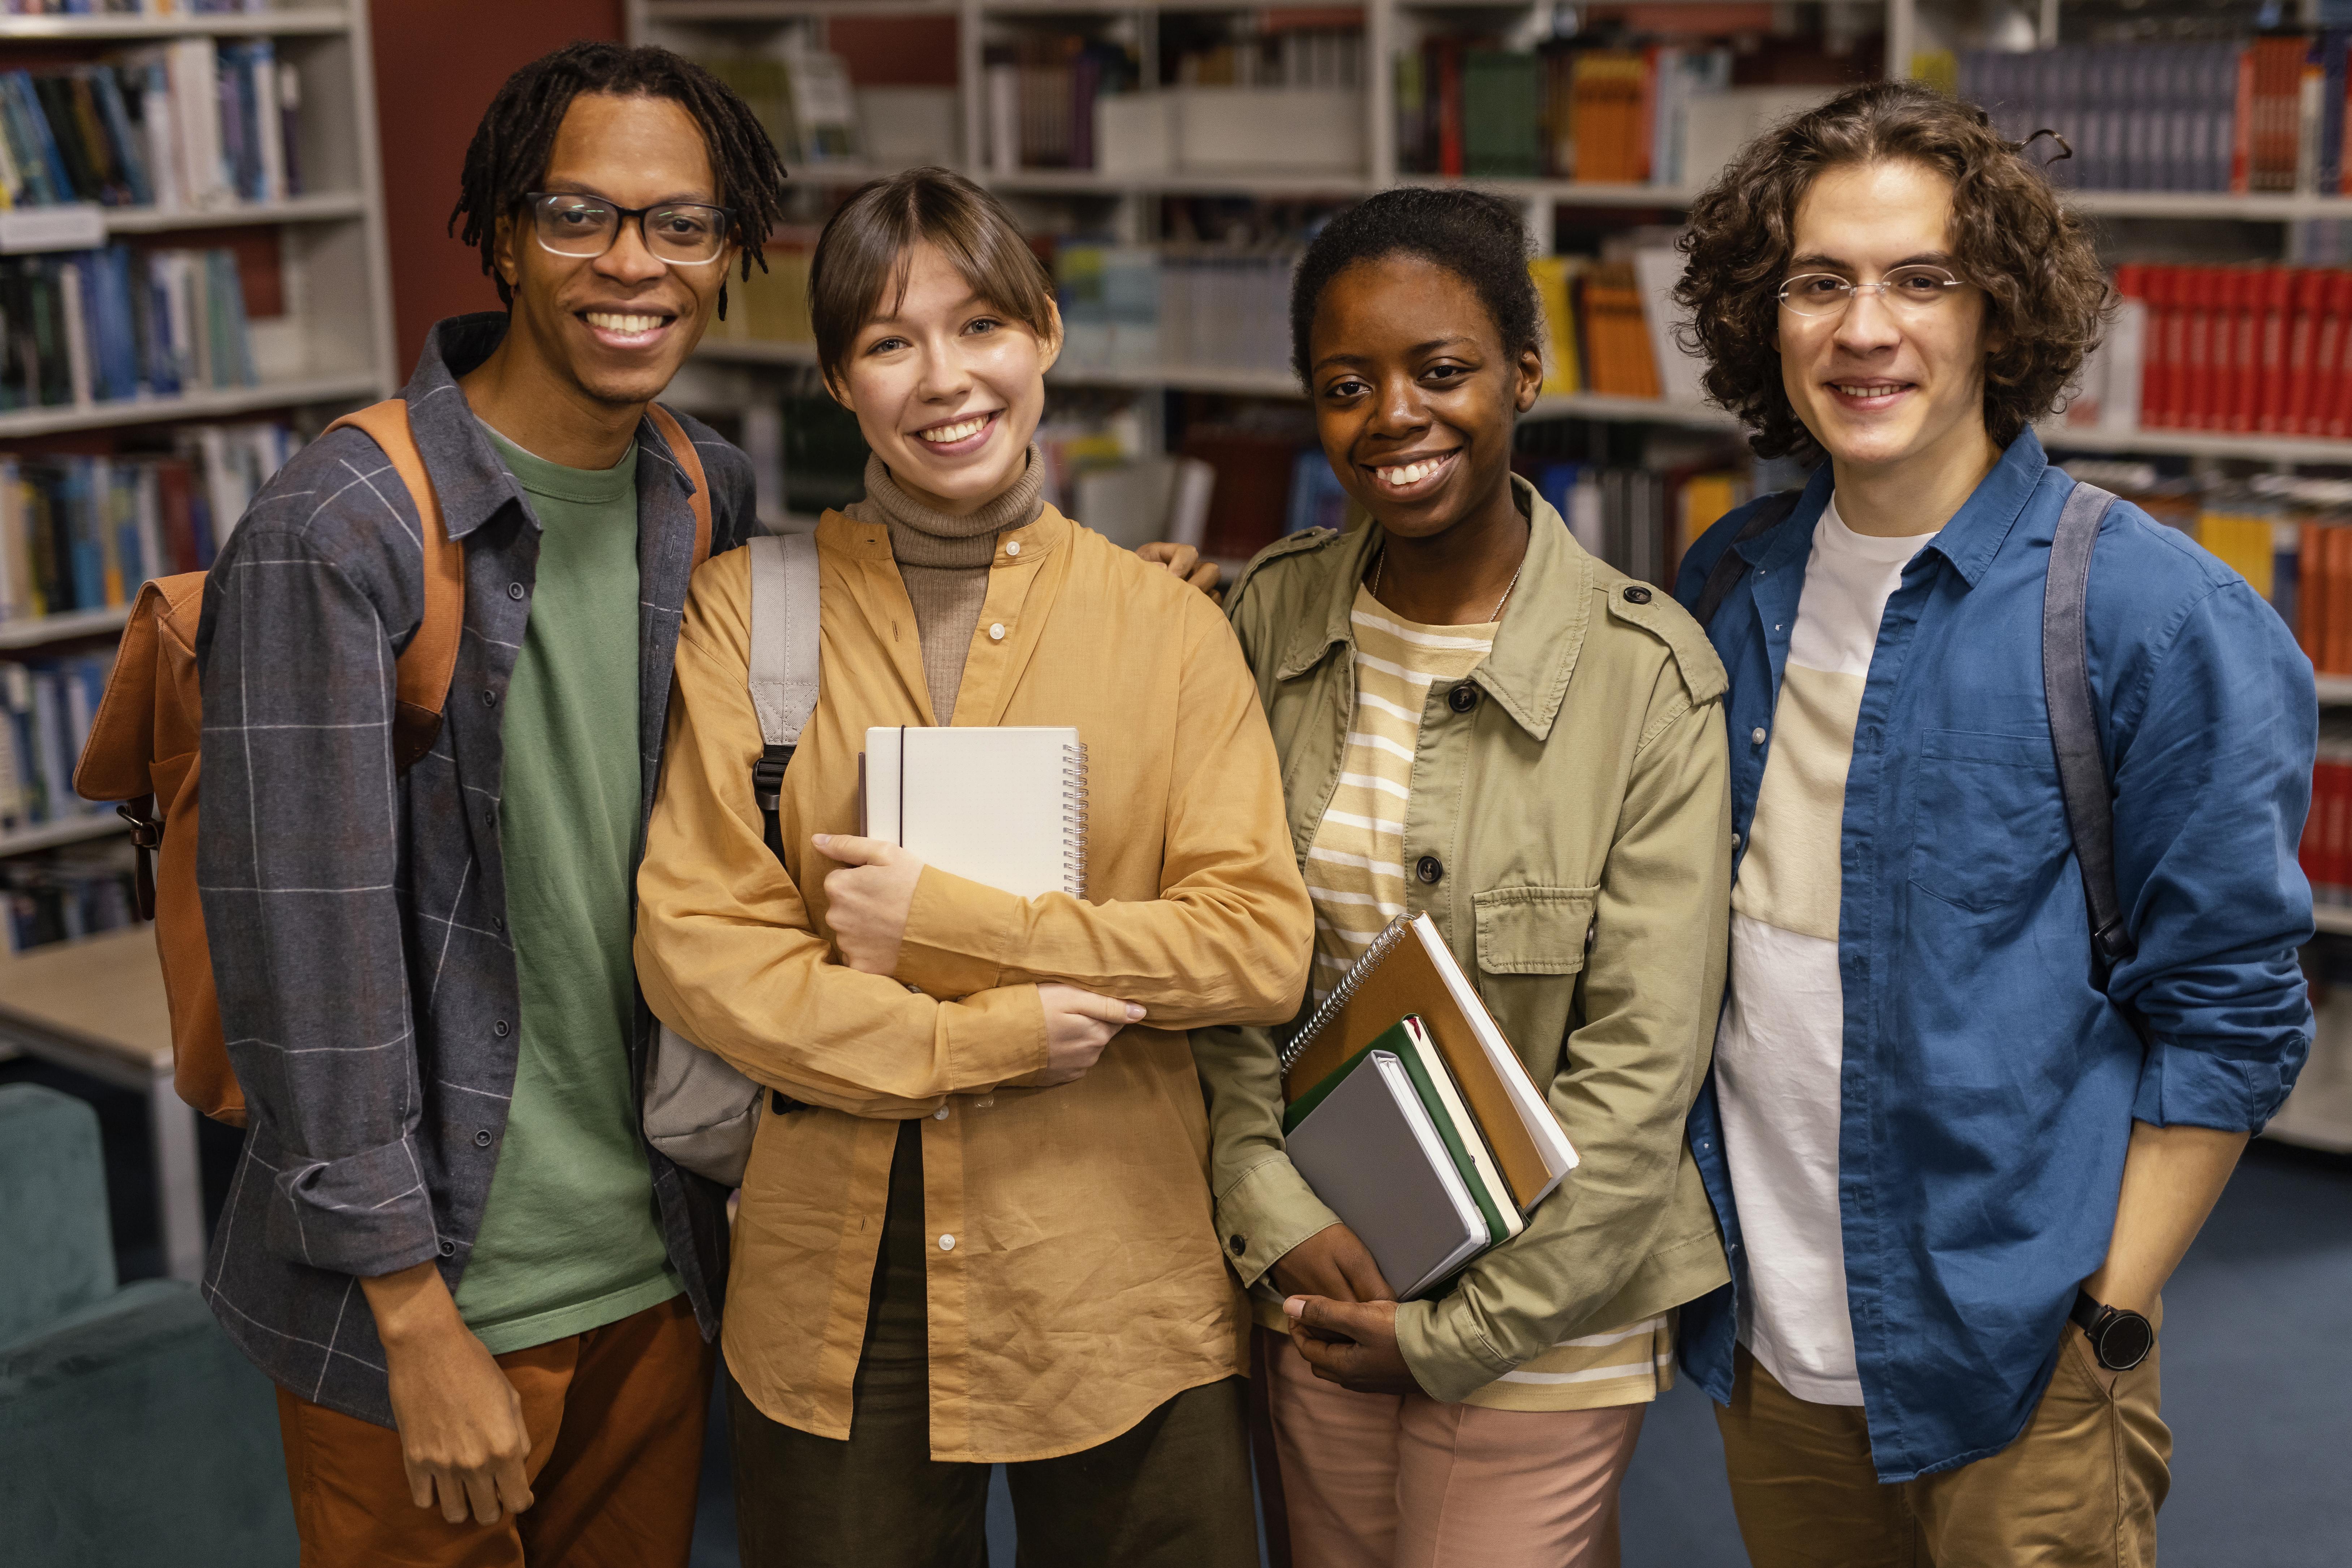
{"type": "Point", "coordinates": [1996, 1030]}
{"type": "Point", "coordinates": [1478, 721]}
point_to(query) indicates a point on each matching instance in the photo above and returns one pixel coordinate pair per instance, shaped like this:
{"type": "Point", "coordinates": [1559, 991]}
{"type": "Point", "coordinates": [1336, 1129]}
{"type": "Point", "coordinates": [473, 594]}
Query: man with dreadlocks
{"type": "Point", "coordinates": [477, 1289]}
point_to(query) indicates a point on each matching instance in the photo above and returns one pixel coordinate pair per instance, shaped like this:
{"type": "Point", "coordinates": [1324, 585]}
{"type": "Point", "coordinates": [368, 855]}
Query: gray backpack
{"type": "Point", "coordinates": [700, 1111]}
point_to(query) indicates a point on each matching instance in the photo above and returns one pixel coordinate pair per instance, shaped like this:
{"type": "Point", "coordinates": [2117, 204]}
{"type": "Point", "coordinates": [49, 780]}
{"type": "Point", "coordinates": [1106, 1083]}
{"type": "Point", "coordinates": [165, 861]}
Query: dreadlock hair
{"type": "Point", "coordinates": [511, 146]}
{"type": "Point", "coordinates": [1480, 238]}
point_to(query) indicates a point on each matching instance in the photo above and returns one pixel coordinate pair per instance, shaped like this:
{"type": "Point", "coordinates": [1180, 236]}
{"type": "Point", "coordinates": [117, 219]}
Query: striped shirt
{"type": "Point", "coordinates": [1356, 876]}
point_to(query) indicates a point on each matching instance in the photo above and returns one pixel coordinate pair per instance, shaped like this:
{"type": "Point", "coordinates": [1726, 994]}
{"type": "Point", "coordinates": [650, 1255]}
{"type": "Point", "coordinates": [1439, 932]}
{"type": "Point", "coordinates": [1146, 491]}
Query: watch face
{"type": "Point", "coordinates": [2124, 1340]}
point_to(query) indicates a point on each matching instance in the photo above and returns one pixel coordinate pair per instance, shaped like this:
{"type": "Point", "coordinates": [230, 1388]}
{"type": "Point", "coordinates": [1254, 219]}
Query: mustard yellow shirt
{"type": "Point", "coordinates": [1077, 1279]}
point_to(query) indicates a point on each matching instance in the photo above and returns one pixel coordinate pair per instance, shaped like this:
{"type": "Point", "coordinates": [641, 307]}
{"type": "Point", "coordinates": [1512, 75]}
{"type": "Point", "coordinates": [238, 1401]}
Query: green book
{"type": "Point", "coordinates": [1502, 114]}
{"type": "Point", "coordinates": [1387, 1141]}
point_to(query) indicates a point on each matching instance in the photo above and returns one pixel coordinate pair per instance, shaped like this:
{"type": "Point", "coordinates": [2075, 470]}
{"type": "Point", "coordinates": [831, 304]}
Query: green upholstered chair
{"type": "Point", "coordinates": [131, 1432]}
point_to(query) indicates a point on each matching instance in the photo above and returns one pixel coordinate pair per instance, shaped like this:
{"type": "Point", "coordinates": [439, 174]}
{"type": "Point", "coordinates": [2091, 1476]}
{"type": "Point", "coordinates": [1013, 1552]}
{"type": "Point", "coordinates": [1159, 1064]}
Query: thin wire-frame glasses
{"type": "Point", "coordinates": [1912, 290]}
{"type": "Point", "coordinates": [681, 234]}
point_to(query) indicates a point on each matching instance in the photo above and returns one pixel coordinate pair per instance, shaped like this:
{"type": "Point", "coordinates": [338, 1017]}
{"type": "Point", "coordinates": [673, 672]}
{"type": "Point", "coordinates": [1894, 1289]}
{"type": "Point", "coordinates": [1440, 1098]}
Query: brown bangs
{"type": "Point", "coordinates": [860, 267]}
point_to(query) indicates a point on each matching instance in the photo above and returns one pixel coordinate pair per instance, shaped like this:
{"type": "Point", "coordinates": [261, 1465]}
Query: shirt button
{"type": "Point", "coordinates": [1463, 698]}
{"type": "Point", "coordinates": [499, 1028]}
{"type": "Point", "coordinates": [482, 1139]}
{"type": "Point", "coordinates": [940, 1114]}
{"type": "Point", "coordinates": [1637, 595]}
{"type": "Point", "coordinates": [514, 590]}
{"type": "Point", "coordinates": [947, 1244]}
{"type": "Point", "coordinates": [489, 698]}
{"type": "Point", "coordinates": [996, 631]}
{"type": "Point", "coordinates": [1012, 547]}
{"type": "Point", "coordinates": [1756, 736]}
{"type": "Point", "coordinates": [1735, 841]}
{"type": "Point", "coordinates": [449, 1249]}
{"type": "Point", "coordinates": [1237, 1244]}
{"type": "Point", "coordinates": [1429, 869]}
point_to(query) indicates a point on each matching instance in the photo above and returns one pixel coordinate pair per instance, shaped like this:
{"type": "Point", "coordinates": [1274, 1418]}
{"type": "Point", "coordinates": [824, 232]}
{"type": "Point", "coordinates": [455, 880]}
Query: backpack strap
{"type": "Point", "coordinates": [783, 662]}
{"type": "Point", "coordinates": [2073, 718]}
{"type": "Point", "coordinates": [425, 664]}
{"type": "Point", "coordinates": [681, 448]}
{"type": "Point", "coordinates": [1731, 566]}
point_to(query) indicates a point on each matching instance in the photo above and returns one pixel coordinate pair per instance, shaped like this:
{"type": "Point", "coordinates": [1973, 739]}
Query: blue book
{"type": "Point", "coordinates": [130, 150]}
{"type": "Point", "coordinates": [45, 141]}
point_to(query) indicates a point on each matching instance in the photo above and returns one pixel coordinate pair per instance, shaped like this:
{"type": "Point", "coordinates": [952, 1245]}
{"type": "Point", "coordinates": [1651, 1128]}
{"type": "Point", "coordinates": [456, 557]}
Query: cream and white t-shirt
{"type": "Point", "coordinates": [1780, 1047]}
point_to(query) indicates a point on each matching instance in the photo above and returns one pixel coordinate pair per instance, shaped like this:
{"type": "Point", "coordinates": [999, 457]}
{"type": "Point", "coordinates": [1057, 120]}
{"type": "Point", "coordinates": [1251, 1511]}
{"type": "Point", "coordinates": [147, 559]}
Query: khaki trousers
{"type": "Point", "coordinates": [2078, 1488]}
{"type": "Point", "coordinates": [616, 1417]}
{"type": "Point", "coordinates": [1383, 1481]}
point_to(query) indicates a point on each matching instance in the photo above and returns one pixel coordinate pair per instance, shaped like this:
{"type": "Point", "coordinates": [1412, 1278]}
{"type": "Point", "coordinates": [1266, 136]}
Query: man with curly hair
{"type": "Point", "coordinates": [1955, 1150]}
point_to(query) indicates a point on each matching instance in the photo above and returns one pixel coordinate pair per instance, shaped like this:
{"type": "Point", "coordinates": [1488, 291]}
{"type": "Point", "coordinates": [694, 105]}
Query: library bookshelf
{"type": "Point", "coordinates": [1909, 38]}
{"type": "Point", "coordinates": [326, 347]}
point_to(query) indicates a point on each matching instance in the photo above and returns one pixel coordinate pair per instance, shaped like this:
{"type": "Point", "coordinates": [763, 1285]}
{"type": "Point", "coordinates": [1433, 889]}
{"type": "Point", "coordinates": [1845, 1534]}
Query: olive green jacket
{"type": "Point", "coordinates": [1577, 815]}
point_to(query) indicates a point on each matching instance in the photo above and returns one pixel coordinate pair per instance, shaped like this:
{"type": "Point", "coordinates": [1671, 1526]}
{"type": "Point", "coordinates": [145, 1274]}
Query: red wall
{"type": "Point", "coordinates": [437, 64]}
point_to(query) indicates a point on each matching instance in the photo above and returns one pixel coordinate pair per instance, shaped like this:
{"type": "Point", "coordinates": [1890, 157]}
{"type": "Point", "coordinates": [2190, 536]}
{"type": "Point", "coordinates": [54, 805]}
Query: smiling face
{"type": "Point", "coordinates": [617, 326]}
{"type": "Point", "coordinates": [1880, 385]}
{"type": "Point", "coordinates": [1415, 393]}
{"type": "Point", "coordinates": [947, 387]}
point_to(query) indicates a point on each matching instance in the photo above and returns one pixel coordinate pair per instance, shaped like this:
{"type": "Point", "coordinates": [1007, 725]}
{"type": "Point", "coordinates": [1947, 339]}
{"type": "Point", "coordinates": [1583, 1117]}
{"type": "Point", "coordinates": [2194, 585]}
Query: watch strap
{"type": "Point", "coordinates": [2087, 1311]}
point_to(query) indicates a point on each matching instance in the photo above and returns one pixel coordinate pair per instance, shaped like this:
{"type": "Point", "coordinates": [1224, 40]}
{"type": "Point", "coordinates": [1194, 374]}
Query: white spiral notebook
{"type": "Point", "coordinates": [1002, 806]}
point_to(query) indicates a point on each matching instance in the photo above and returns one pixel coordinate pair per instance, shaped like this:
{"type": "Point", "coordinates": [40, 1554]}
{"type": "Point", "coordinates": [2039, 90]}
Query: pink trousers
{"type": "Point", "coordinates": [1379, 1480]}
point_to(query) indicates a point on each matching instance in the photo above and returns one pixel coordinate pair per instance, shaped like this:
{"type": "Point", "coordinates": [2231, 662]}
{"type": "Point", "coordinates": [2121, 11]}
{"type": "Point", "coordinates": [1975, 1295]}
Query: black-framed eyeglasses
{"type": "Point", "coordinates": [681, 234]}
{"type": "Point", "coordinates": [1912, 290]}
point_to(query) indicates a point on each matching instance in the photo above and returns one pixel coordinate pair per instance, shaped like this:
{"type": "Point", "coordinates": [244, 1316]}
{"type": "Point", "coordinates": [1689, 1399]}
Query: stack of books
{"type": "Point", "coordinates": [2256, 349]}
{"type": "Point", "coordinates": [81, 532]}
{"type": "Point", "coordinates": [97, 326]}
{"type": "Point", "coordinates": [188, 124]}
{"type": "Point", "coordinates": [2237, 114]}
{"type": "Point", "coordinates": [45, 709]}
{"type": "Point", "coordinates": [1412, 1117]}
{"type": "Point", "coordinates": [65, 894]}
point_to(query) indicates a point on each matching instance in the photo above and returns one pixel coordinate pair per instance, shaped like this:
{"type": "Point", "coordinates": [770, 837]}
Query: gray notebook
{"type": "Point", "coordinates": [1372, 1153]}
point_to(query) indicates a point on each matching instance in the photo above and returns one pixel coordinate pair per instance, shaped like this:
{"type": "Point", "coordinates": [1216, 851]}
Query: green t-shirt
{"type": "Point", "coordinates": [571, 1240]}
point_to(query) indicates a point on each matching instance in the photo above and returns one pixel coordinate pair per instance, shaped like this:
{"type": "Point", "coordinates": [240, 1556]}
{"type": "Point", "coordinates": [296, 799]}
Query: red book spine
{"type": "Point", "coordinates": [2242, 294]}
{"type": "Point", "coordinates": [2277, 292]}
{"type": "Point", "coordinates": [2309, 293]}
{"type": "Point", "coordinates": [2332, 358]}
{"type": "Point", "coordinates": [2159, 407]}
{"type": "Point", "coordinates": [2201, 368]}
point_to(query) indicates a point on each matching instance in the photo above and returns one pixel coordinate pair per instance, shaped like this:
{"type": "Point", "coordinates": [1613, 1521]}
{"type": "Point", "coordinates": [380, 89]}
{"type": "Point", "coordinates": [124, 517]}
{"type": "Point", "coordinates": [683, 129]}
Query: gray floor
{"type": "Point", "coordinates": [2258, 1390]}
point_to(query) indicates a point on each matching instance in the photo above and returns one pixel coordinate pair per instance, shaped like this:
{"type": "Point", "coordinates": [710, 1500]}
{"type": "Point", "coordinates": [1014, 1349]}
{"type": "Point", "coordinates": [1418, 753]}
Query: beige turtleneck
{"type": "Point", "coordinates": [944, 562]}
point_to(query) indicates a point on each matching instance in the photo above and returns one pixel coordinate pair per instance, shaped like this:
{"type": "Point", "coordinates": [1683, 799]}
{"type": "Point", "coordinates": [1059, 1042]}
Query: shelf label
{"type": "Point", "coordinates": [75, 226]}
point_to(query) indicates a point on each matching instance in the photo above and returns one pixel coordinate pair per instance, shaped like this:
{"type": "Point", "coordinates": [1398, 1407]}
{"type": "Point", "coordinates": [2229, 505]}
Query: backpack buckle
{"type": "Point", "coordinates": [2113, 944]}
{"type": "Point", "coordinates": [768, 776]}
{"type": "Point", "coordinates": [146, 831]}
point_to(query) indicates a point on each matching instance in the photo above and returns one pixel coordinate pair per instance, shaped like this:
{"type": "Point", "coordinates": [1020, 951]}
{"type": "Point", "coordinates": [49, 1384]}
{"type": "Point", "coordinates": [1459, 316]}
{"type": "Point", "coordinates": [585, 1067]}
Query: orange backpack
{"type": "Point", "coordinates": [143, 748]}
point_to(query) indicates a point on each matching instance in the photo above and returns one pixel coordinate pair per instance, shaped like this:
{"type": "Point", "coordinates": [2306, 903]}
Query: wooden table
{"type": "Point", "coordinates": [96, 1006]}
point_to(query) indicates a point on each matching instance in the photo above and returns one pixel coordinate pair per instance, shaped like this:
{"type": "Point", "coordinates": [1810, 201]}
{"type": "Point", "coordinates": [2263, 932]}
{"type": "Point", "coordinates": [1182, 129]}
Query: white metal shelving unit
{"type": "Point", "coordinates": [332, 349]}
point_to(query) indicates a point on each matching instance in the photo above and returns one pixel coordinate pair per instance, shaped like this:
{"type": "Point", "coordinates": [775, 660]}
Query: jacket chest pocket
{"type": "Point", "coordinates": [1531, 946]}
{"type": "Point", "coordinates": [1987, 823]}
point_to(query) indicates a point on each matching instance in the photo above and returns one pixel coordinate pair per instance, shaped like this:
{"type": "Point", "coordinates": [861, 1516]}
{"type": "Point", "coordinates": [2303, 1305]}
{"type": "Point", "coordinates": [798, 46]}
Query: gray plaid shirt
{"type": "Point", "coordinates": [358, 919]}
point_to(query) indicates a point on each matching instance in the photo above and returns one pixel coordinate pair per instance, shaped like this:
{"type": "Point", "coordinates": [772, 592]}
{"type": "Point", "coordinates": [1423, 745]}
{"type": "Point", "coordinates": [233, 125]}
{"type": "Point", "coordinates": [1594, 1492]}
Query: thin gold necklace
{"type": "Point", "coordinates": [1380, 564]}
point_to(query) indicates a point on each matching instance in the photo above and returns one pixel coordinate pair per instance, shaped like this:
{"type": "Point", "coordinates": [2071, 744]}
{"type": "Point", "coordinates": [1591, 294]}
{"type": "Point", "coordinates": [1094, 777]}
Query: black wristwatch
{"type": "Point", "coordinates": [2120, 1337]}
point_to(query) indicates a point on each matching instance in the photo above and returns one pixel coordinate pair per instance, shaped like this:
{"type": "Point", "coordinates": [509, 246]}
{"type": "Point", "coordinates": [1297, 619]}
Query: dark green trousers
{"type": "Point", "coordinates": [1173, 1491]}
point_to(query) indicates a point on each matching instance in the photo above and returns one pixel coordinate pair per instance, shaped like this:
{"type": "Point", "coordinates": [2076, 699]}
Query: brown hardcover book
{"type": "Point", "coordinates": [1408, 971]}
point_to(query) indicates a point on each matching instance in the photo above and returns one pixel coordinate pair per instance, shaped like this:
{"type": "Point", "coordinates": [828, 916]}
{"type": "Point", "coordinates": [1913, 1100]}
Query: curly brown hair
{"type": "Point", "coordinates": [2046, 297]}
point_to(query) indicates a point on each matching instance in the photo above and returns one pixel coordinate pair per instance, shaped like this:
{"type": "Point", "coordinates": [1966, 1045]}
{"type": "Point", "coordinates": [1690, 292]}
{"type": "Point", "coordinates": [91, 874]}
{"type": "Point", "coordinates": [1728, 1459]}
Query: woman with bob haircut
{"type": "Point", "coordinates": [1480, 723]}
{"type": "Point", "coordinates": [973, 1229]}
{"type": "Point", "coordinates": [1956, 1144]}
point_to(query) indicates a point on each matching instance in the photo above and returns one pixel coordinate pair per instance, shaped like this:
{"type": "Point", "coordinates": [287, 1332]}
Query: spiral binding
{"type": "Point", "coordinates": [1074, 820]}
{"type": "Point", "coordinates": [1390, 934]}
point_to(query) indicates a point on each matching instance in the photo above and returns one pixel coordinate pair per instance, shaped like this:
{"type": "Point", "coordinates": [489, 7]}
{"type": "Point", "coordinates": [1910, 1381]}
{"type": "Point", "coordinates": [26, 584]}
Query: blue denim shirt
{"type": "Point", "coordinates": [1989, 1087]}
